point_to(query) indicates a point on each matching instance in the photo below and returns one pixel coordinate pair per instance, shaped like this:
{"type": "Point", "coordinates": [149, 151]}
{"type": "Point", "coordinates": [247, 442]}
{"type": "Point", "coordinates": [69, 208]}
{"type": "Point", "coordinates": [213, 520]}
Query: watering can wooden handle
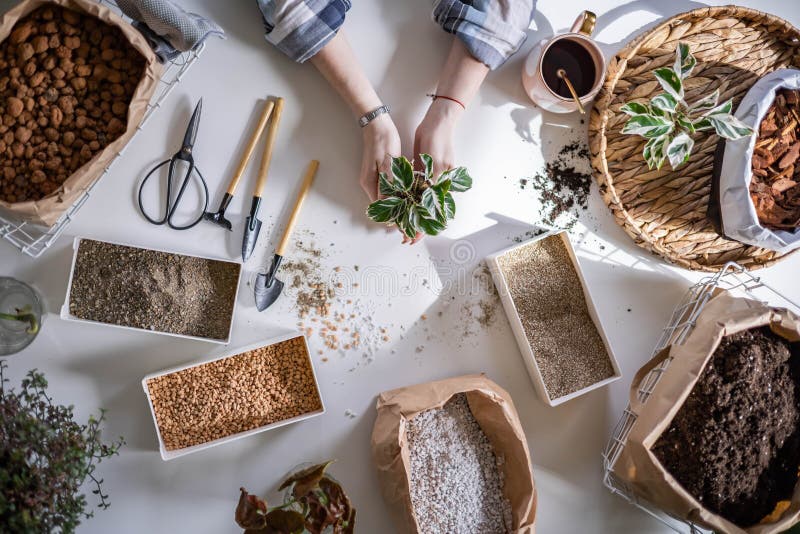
{"type": "Point", "coordinates": [251, 146]}
{"type": "Point", "coordinates": [298, 204]}
{"type": "Point", "coordinates": [272, 132]}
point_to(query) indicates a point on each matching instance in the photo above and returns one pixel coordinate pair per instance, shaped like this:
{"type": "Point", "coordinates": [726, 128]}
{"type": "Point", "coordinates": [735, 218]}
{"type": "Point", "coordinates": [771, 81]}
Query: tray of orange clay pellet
{"type": "Point", "coordinates": [257, 388]}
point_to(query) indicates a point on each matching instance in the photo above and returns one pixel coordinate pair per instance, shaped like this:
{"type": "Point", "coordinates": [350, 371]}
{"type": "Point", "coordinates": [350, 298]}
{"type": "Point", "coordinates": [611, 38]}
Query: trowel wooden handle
{"type": "Point", "coordinates": [298, 204]}
{"type": "Point", "coordinates": [251, 146]}
{"type": "Point", "coordinates": [272, 132]}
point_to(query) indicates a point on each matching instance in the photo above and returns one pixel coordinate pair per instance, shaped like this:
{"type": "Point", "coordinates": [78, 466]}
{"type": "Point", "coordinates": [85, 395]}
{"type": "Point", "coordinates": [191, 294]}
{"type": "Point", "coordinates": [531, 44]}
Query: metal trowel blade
{"type": "Point", "coordinates": [250, 237]}
{"type": "Point", "coordinates": [265, 294]}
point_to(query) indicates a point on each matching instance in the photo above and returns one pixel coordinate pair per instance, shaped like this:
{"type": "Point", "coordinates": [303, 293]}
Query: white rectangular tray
{"type": "Point", "coordinates": [67, 316]}
{"type": "Point", "coordinates": [519, 332]}
{"type": "Point", "coordinates": [170, 455]}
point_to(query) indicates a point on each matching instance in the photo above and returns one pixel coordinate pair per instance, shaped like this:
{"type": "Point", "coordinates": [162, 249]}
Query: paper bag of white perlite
{"type": "Point", "coordinates": [731, 208]}
{"type": "Point", "coordinates": [48, 210]}
{"type": "Point", "coordinates": [494, 411]}
{"type": "Point", "coordinates": [639, 468]}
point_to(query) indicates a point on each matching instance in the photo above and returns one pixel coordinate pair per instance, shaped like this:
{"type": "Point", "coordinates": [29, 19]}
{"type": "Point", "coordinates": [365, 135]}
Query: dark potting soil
{"type": "Point", "coordinates": [735, 443]}
{"type": "Point", "coordinates": [153, 290]}
{"type": "Point", "coordinates": [562, 186]}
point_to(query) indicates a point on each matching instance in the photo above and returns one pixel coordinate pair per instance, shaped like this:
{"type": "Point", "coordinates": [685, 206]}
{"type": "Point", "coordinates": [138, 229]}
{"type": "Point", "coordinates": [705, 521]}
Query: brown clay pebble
{"type": "Point", "coordinates": [239, 393]}
{"type": "Point", "coordinates": [735, 443]}
{"type": "Point", "coordinates": [152, 290]}
{"type": "Point", "coordinates": [549, 298]}
{"type": "Point", "coordinates": [50, 69]}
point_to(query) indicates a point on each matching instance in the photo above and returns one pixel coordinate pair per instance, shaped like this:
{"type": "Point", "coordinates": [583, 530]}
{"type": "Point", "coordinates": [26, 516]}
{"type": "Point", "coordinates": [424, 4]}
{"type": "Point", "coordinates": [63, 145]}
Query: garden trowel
{"type": "Point", "coordinates": [253, 225]}
{"type": "Point", "coordinates": [268, 288]}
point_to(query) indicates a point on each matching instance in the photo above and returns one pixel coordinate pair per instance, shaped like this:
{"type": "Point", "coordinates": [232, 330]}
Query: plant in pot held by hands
{"type": "Point", "coordinates": [45, 457]}
{"type": "Point", "coordinates": [418, 202]}
{"type": "Point", "coordinates": [668, 121]}
{"type": "Point", "coordinates": [315, 503]}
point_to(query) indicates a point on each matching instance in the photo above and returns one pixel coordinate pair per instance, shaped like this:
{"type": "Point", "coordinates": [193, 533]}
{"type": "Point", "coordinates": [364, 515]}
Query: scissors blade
{"type": "Point", "coordinates": [191, 130]}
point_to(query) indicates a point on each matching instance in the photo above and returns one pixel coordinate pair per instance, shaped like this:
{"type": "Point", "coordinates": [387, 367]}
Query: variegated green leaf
{"type": "Point", "coordinates": [705, 103]}
{"type": "Point", "coordinates": [430, 201]}
{"type": "Point", "coordinates": [679, 150]}
{"type": "Point", "coordinates": [684, 60]}
{"type": "Point", "coordinates": [402, 173]}
{"type": "Point", "coordinates": [460, 180]}
{"type": "Point", "coordinates": [449, 206]}
{"type": "Point", "coordinates": [387, 187]}
{"type": "Point", "coordinates": [664, 102]}
{"type": "Point", "coordinates": [684, 122]}
{"type": "Point", "coordinates": [670, 81]}
{"type": "Point", "coordinates": [427, 163]}
{"type": "Point", "coordinates": [648, 126]}
{"type": "Point", "coordinates": [702, 124]}
{"type": "Point", "coordinates": [723, 109]}
{"type": "Point", "coordinates": [634, 108]}
{"type": "Point", "coordinates": [430, 226]}
{"type": "Point", "coordinates": [655, 151]}
{"type": "Point", "coordinates": [384, 210]}
{"type": "Point", "coordinates": [729, 127]}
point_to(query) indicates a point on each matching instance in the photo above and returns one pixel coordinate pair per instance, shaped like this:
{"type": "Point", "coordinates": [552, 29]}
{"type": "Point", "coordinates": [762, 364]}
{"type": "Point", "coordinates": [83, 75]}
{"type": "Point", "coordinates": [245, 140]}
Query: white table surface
{"type": "Point", "coordinates": [501, 135]}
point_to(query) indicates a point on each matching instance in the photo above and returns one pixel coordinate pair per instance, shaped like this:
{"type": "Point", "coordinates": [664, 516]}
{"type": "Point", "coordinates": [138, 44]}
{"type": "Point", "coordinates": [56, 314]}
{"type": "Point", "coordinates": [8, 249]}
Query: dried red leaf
{"type": "Point", "coordinates": [251, 511]}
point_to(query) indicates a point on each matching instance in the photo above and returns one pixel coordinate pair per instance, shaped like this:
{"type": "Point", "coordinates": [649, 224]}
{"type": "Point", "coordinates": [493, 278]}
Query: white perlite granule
{"type": "Point", "coordinates": [456, 486]}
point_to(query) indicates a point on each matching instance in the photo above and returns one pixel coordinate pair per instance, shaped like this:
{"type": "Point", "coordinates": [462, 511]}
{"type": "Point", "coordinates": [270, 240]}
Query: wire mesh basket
{"type": "Point", "coordinates": [733, 278]}
{"type": "Point", "coordinates": [32, 239]}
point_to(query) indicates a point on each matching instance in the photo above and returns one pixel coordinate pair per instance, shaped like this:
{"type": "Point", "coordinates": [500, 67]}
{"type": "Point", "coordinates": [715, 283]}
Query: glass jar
{"type": "Point", "coordinates": [18, 299]}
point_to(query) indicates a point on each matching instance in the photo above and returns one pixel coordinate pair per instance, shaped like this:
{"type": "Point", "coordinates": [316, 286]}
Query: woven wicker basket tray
{"type": "Point", "coordinates": [665, 211]}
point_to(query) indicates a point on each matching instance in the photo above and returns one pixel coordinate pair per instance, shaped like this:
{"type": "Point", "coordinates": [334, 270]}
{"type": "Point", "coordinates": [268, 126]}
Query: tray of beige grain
{"type": "Point", "coordinates": [553, 317]}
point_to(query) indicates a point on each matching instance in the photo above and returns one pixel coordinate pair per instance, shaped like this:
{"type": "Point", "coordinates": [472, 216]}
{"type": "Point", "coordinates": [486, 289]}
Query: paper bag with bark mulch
{"type": "Point", "coordinates": [638, 466]}
{"type": "Point", "coordinates": [48, 210]}
{"type": "Point", "coordinates": [495, 413]}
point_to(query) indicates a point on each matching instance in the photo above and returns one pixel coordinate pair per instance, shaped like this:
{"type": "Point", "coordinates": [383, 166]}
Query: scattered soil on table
{"type": "Point", "coordinates": [456, 484]}
{"type": "Point", "coordinates": [550, 302]}
{"type": "Point", "coordinates": [328, 303]}
{"type": "Point", "coordinates": [775, 187]}
{"type": "Point", "coordinates": [159, 291]}
{"type": "Point", "coordinates": [235, 394]}
{"type": "Point", "coordinates": [66, 81]}
{"type": "Point", "coordinates": [735, 443]}
{"type": "Point", "coordinates": [563, 186]}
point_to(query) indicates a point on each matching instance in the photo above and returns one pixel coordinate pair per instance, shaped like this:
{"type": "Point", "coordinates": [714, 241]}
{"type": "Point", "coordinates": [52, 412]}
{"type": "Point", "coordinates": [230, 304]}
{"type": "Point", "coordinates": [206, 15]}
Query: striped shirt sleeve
{"type": "Point", "coordinates": [300, 28]}
{"type": "Point", "coordinates": [492, 30]}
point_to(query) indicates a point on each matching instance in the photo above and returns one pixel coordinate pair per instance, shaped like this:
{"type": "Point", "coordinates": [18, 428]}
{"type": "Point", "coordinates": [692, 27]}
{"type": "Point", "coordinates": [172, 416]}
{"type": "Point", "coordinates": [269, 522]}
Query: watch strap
{"type": "Point", "coordinates": [370, 116]}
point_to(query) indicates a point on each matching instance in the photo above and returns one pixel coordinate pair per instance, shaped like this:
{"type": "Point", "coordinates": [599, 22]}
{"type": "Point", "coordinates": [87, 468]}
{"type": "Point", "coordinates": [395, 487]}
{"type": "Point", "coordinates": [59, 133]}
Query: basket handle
{"type": "Point", "coordinates": [640, 375]}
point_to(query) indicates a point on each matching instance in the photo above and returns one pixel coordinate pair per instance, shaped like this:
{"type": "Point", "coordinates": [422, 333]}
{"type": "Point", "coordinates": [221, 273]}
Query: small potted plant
{"type": "Point", "coordinates": [418, 202]}
{"type": "Point", "coordinates": [45, 458]}
{"type": "Point", "coordinates": [668, 121]}
{"type": "Point", "coordinates": [20, 315]}
{"type": "Point", "coordinates": [314, 503]}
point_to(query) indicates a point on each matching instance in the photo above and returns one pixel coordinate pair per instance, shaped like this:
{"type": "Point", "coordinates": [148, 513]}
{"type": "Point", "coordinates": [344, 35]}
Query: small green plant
{"type": "Point", "coordinates": [315, 504]}
{"type": "Point", "coordinates": [45, 458]}
{"type": "Point", "coordinates": [668, 121]}
{"type": "Point", "coordinates": [24, 315]}
{"type": "Point", "coordinates": [418, 202]}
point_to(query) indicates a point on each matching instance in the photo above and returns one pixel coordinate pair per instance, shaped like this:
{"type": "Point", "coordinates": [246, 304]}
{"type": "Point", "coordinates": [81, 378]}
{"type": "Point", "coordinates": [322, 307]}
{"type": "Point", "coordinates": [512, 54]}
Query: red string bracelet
{"type": "Point", "coordinates": [450, 98]}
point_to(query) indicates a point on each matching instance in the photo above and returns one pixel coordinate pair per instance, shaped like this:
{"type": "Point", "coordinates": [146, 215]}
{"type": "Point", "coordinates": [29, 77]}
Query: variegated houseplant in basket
{"type": "Point", "coordinates": [668, 121]}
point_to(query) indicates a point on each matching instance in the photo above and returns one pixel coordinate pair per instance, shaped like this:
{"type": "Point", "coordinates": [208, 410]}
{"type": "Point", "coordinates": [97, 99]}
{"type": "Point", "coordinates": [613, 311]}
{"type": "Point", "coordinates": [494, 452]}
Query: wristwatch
{"type": "Point", "coordinates": [370, 116]}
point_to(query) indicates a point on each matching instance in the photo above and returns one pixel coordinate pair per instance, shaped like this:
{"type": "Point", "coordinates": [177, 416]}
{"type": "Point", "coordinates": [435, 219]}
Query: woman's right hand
{"type": "Point", "coordinates": [381, 144]}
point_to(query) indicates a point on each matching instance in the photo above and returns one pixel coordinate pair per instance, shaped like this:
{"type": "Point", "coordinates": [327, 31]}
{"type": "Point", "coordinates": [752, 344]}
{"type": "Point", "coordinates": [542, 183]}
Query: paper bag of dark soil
{"type": "Point", "coordinates": [773, 224]}
{"type": "Point", "coordinates": [46, 198]}
{"type": "Point", "coordinates": [757, 343]}
{"type": "Point", "coordinates": [493, 410]}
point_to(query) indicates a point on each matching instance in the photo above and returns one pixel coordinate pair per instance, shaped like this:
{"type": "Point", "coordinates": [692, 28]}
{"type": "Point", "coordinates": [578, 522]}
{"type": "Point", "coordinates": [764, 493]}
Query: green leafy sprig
{"type": "Point", "coordinates": [24, 315]}
{"type": "Point", "coordinates": [316, 503]}
{"type": "Point", "coordinates": [668, 121]}
{"type": "Point", "coordinates": [45, 458]}
{"type": "Point", "coordinates": [418, 202]}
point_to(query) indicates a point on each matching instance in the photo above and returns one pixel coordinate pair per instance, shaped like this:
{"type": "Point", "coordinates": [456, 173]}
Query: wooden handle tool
{"type": "Point", "coordinates": [298, 204]}
{"type": "Point", "coordinates": [251, 146]}
{"type": "Point", "coordinates": [266, 158]}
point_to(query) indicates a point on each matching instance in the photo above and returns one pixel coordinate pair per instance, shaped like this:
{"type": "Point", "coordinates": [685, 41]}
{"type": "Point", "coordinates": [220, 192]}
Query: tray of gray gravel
{"type": "Point", "coordinates": [152, 290]}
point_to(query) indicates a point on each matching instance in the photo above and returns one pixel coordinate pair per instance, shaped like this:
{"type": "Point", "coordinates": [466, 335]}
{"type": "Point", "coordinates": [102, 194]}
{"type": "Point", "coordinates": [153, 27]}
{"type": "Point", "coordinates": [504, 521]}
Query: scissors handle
{"type": "Point", "coordinates": [150, 219]}
{"type": "Point", "coordinates": [170, 205]}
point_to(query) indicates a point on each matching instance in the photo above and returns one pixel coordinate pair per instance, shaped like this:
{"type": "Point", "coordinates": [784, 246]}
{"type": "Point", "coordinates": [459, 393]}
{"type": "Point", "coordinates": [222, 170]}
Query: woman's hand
{"type": "Point", "coordinates": [434, 135]}
{"type": "Point", "coordinates": [381, 144]}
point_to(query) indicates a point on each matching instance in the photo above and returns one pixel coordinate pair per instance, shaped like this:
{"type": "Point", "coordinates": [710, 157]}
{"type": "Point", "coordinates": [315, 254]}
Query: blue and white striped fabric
{"type": "Point", "coordinates": [492, 30]}
{"type": "Point", "coordinates": [299, 28]}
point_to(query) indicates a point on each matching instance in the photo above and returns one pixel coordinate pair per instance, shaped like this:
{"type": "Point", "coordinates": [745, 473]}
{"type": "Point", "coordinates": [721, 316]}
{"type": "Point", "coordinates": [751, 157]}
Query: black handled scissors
{"type": "Point", "coordinates": [184, 155]}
